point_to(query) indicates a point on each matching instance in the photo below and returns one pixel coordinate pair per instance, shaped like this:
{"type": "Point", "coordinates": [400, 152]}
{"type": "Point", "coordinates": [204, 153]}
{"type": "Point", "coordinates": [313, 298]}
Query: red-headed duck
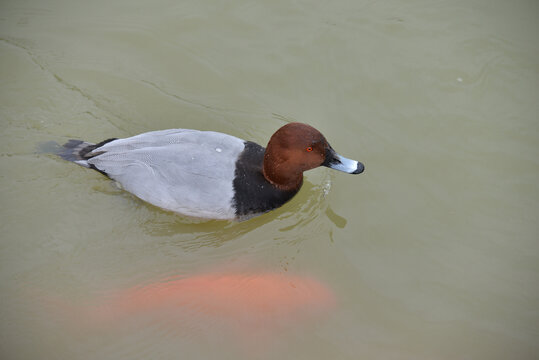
{"type": "Point", "coordinates": [211, 175]}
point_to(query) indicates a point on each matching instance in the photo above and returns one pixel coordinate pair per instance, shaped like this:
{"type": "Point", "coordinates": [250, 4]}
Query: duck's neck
{"type": "Point", "coordinates": [281, 173]}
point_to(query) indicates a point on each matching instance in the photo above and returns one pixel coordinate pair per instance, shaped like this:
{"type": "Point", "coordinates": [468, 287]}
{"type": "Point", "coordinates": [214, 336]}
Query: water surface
{"type": "Point", "coordinates": [432, 253]}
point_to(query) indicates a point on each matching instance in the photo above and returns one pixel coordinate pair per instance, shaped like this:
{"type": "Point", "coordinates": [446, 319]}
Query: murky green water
{"type": "Point", "coordinates": [432, 253]}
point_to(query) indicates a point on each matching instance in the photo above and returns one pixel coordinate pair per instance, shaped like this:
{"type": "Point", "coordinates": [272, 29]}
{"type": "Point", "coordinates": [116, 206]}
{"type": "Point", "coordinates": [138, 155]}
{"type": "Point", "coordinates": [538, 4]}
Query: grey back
{"type": "Point", "coordinates": [186, 171]}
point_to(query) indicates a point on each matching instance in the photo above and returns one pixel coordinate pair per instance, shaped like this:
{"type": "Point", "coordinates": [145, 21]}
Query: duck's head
{"type": "Point", "coordinates": [296, 148]}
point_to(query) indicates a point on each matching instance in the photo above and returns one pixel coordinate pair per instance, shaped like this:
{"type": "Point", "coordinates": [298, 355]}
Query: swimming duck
{"type": "Point", "coordinates": [208, 174]}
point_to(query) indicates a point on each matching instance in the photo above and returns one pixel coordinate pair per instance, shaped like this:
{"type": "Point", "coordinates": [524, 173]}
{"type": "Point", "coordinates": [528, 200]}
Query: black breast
{"type": "Point", "coordinates": [253, 194]}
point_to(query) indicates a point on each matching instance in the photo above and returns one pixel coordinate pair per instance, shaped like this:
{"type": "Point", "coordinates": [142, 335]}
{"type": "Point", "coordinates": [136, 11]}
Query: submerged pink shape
{"type": "Point", "coordinates": [253, 309]}
{"type": "Point", "coordinates": [251, 312]}
{"type": "Point", "coordinates": [228, 295]}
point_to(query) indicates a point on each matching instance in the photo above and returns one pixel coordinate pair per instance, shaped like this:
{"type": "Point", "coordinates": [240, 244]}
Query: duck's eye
{"type": "Point", "coordinates": [309, 148]}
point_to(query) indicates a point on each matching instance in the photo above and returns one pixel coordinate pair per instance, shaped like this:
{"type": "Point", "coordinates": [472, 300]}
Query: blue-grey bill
{"type": "Point", "coordinates": [346, 165]}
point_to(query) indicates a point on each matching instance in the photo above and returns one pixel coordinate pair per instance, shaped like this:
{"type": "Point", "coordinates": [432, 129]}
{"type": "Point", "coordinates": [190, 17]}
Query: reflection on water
{"type": "Point", "coordinates": [296, 214]}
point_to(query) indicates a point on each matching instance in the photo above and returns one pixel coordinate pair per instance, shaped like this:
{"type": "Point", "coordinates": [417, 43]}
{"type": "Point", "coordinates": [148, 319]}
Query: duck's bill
{"type": "Point", "coordinates": [338, 162]}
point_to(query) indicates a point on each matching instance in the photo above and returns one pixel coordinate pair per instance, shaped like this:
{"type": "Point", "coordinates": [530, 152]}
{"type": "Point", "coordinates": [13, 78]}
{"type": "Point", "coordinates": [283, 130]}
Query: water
{"type": "Point", "coordinates": [432, 253]}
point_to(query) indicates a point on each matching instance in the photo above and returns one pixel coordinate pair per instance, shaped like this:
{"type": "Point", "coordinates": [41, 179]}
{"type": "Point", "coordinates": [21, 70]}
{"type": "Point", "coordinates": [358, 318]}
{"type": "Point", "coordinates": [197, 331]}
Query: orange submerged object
{"type": "Point", "coordinates": [250, 311]}
{"type": "Point", "coordinates": [246, 304]}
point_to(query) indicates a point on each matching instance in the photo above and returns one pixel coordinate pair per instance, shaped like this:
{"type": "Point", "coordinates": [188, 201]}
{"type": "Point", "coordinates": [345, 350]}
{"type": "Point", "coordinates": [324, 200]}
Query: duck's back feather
{"type": "Point", "coordinates": [186, 171]}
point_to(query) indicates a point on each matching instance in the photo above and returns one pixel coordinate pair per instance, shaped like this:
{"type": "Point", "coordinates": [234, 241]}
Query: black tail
{"type": "Point", "coordinates": [74, 150]}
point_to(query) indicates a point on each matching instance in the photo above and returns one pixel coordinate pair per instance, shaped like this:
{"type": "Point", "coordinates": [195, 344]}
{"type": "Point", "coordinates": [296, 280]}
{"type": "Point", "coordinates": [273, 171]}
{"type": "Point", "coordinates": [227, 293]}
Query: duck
{"type": "Point", "coordinates": [208, 174]}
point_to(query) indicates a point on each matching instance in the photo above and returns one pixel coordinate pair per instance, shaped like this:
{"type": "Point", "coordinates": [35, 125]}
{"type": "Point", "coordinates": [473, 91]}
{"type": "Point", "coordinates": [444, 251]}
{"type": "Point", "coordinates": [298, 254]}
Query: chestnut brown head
{"type": "Point", "coordinates": [296, 148]}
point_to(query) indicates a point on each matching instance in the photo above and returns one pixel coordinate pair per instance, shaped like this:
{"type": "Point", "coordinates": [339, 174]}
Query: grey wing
{"type": "Point", "coordinates": [186, 171]}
